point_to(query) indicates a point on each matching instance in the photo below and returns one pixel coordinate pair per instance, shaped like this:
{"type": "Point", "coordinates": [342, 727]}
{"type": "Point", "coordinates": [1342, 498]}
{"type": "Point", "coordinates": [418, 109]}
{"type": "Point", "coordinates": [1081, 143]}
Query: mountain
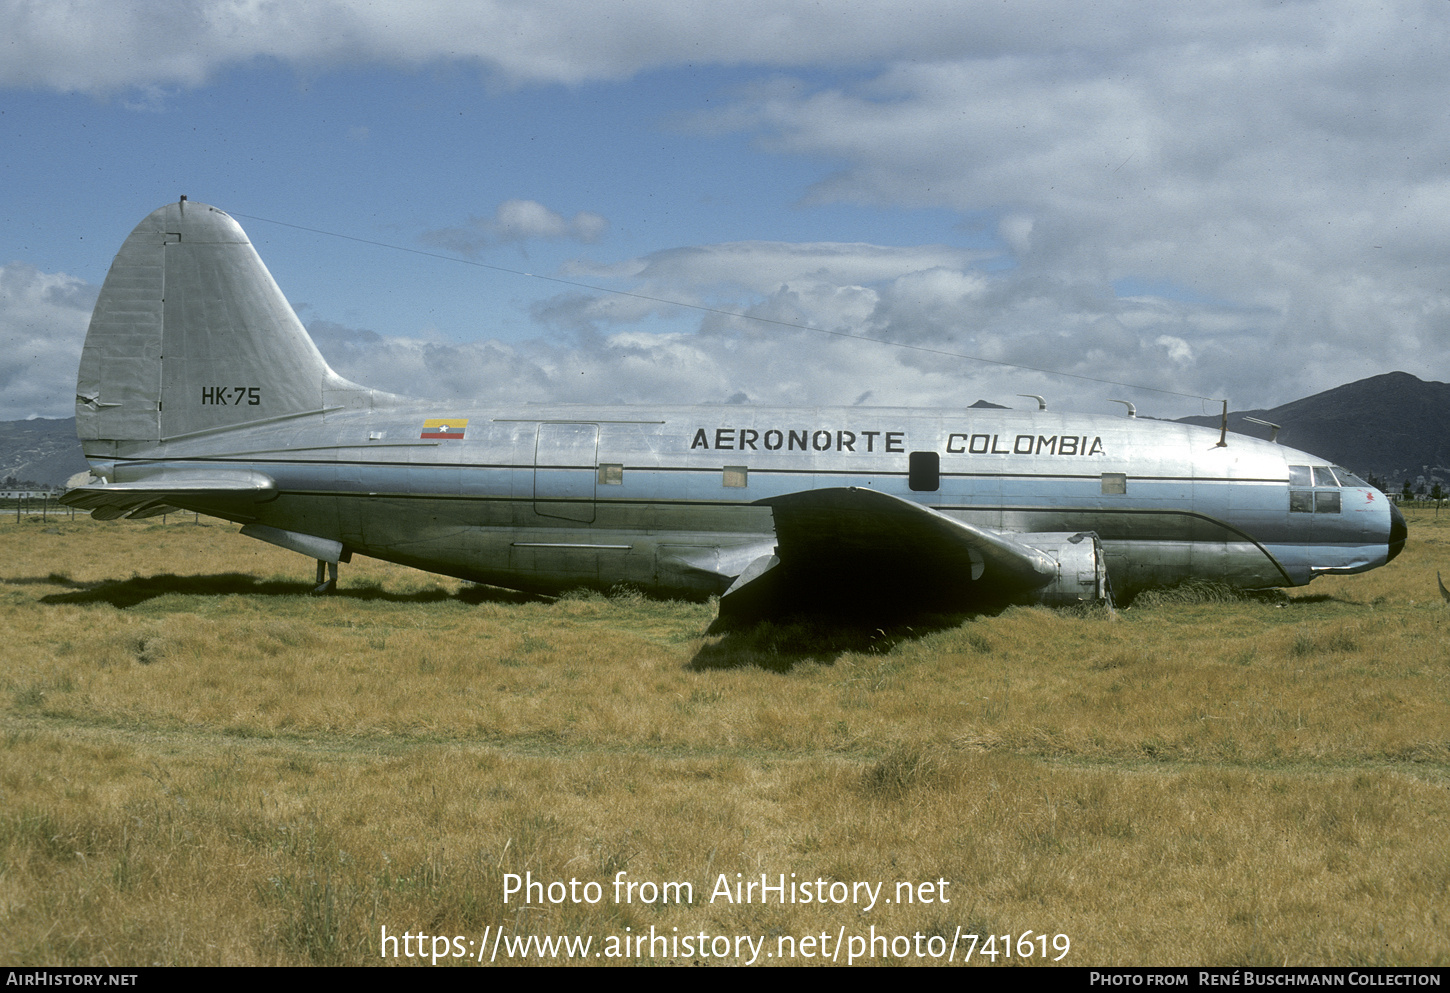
{"type": "Point", "coordinates": [1393, 426]}
{"type": "Point", "coordinates": [40, 451]}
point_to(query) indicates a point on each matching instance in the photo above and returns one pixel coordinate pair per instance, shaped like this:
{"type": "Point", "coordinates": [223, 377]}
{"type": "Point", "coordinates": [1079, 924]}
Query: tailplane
{"type": "Point", "coordinates": [191, 334]}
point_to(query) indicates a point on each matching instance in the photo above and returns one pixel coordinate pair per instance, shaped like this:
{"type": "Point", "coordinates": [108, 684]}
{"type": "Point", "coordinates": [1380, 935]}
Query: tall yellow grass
{"type": "Point", "coordinates": [201, 764]}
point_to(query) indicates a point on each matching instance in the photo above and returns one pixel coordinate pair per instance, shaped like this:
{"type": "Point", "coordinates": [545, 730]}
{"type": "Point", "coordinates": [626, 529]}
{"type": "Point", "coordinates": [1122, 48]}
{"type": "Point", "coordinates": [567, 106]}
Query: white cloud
{"type": "Point", "coordinates": [517, 221]}
{"type": "Point", "coordinates": [898, 334]}
{"type": "Point", "coordinates": [1177, 349]}
{"type": "Point", "coordinates": [101, 46]}
{"type": "Point", "coordinates": [763, 266]}
{"type": "Point", "coordinates": [640, 367]}
{"type": "Point", "coordinates": [43, 320]}
{"type": "Point", "coordinates": [1280, 167]}
{"type": "Point", "coordinates": [1016, 231]}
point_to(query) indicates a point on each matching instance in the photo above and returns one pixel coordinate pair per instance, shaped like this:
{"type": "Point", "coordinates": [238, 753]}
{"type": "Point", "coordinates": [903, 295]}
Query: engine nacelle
{"type": "Point", "coordinates": [1082, 572]}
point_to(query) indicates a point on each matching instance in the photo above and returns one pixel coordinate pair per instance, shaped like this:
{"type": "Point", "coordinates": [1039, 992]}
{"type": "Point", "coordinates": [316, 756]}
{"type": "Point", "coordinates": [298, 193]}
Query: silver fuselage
{"type": "Point", "coordinates": [667, 499]}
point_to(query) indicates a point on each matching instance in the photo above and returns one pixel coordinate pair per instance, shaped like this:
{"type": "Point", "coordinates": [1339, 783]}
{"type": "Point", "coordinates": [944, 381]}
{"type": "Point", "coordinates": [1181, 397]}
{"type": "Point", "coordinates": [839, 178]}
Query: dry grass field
{"type": "Point", "coordinates": [202, 764]}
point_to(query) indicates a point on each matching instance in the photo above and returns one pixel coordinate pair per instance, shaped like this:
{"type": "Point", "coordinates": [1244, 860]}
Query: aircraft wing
{"type": "Point", "coordinates": [854, 543]}
{"type": "Point", "coordinates": [153, 491]}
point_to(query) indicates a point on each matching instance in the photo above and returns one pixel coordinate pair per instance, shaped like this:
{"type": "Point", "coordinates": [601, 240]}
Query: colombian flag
{"type": "Point", "coordinates": [444, 429]}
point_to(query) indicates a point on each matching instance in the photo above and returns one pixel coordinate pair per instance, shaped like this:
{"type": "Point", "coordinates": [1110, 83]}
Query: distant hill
{"type": "Point", "coordinates": [1393, 426]}
{"type": "Point", "coordinates": [40, 451]}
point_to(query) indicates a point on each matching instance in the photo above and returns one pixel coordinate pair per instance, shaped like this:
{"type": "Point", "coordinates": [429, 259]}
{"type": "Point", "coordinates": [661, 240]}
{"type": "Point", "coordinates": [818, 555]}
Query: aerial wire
{"type": "Point", "coordinates": [719, 310]}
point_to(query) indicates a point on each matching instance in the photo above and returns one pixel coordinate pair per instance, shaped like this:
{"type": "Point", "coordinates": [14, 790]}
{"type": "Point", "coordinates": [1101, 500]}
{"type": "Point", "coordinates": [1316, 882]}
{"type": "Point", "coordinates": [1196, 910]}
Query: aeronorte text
{"type": "Point", "coordinates": [805, 440]}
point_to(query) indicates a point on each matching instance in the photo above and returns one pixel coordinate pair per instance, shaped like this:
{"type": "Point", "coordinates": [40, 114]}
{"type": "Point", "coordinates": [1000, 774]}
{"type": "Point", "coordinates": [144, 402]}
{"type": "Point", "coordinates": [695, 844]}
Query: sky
{"type": "Point", "coordinates": [786, 202]}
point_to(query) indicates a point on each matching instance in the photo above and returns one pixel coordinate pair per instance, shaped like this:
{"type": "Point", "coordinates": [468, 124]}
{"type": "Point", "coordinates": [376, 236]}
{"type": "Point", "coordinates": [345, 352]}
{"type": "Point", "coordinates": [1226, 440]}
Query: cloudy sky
{"type": "Point", "coordinates": [1247, 200]}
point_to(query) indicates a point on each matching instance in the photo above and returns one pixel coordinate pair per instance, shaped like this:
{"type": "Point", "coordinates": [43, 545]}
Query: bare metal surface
{"type": "Point", "coordinates": [199, 389]}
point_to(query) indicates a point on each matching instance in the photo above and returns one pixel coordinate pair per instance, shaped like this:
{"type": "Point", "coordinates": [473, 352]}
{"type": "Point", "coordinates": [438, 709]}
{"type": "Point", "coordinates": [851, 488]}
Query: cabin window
{"type": "Point", "coordinates": [611, 474]}
{"type": "Point", "coordinates": [736, 476]}
{"type": "Point", "coordinates": [1115, 483]}
{"type": "Point", "coordinates": [924, 475]}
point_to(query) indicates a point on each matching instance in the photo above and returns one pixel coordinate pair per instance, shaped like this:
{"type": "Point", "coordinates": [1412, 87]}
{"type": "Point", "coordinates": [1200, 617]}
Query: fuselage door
{"type": "Point", "coordinates": [565, 471]}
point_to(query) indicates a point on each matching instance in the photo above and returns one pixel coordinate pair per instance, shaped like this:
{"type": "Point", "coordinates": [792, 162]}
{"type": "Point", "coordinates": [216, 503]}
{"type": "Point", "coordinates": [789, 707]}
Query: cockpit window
{"type": "Point", "coordinates": [1325, 497]}
{"type": "Point", "coordinates": [1347, 478]}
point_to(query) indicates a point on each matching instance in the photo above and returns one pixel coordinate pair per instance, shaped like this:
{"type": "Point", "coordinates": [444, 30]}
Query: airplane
{"type": "Point", "coordinates": [200, 390]}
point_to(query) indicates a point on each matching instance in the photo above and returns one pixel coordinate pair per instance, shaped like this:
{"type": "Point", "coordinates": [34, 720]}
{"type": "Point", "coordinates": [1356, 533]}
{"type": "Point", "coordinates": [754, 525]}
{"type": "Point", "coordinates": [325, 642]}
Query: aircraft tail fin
{"type": "Point", "coordinates": [191, 334]}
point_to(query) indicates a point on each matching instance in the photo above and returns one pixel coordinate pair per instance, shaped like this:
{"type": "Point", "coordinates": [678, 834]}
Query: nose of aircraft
{"type": "Point", "coordinates": [1398, 532]}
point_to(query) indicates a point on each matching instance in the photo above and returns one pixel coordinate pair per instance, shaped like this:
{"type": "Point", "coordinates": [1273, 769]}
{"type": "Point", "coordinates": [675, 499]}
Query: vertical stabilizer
{"type": "Point", "coordinates": [191, 333]}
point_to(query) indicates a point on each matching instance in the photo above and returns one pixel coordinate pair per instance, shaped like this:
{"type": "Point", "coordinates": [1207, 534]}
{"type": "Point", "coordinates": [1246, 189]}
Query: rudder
{"type": "Point", "coordinates": [191, 333]}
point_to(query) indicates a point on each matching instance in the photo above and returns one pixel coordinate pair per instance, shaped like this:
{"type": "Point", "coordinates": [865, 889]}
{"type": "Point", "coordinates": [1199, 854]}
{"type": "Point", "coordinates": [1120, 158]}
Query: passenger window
{"type": "Point", "coordinates": [1301, 501]}
{"type": "Point", "coordinates": [1115, 482]}
{"type": "Point", "coordinates": [1299, 476]}
{"type": "Point", "coordinates": [1324, 476]}
{"type": "Point", "coordinates": [736, 476]}
{"type": "Point", "coordinates": [1326, 502]}
{"type": "Point", "coordinates": [924, 474]}
{"type": "Point", "coordinates": [611, 473]}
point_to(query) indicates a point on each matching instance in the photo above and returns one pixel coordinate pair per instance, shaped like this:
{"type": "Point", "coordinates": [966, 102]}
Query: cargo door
{"type": "Point", "coordinates": [566, 470]}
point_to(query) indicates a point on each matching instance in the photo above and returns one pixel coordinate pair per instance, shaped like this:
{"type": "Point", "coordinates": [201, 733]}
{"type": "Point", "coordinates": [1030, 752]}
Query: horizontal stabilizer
{"type": "Point", "coordinates": [149, 492]}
